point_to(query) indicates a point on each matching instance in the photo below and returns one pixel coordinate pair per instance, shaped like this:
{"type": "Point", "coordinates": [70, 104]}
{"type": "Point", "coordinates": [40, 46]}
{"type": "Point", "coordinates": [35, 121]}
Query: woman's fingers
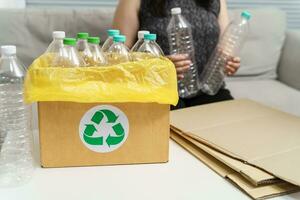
{"type": "Point", "coordinates": [232, 66]}
{"type": "Point", "coordinates": [182, 63]}
{"type": "Point", "coordinates": [229, 70]}
{"type": "Point", "coordinates": [178, 57]}
{"type": "Point", "coordinates": [182, 70]}
{"type": "Point", "coordinates": [180, 76]}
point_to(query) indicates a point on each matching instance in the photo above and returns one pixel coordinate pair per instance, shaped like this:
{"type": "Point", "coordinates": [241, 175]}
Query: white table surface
{"type": "Point", "coordinates": [183, 178]}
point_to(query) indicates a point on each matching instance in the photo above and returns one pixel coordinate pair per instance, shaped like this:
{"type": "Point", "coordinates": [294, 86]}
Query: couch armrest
{"type": "Point", "coordinates": [289, 65]}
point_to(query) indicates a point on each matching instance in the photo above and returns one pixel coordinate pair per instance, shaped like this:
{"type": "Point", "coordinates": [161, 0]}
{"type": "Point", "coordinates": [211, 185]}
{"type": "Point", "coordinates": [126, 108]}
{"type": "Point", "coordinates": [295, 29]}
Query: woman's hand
{"type": "Point", "coordinates": [232, 66]}
{"type": "Point", "coordinates": [182, 64]}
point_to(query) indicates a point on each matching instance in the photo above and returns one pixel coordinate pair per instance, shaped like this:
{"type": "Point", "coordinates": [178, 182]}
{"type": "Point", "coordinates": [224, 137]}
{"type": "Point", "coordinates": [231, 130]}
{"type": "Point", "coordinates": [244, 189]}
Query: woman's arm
{"type": "Point", "coordinates": [126, 19]}
{"type": "Point", "coordinates": [234, 64]}
{"type": "Point", "coordinates": [223, 17]}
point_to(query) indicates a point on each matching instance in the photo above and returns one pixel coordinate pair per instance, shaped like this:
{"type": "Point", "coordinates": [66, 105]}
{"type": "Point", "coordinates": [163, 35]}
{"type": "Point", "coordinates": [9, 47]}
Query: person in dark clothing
{"type": "Point", "coordinates": [208, 19]}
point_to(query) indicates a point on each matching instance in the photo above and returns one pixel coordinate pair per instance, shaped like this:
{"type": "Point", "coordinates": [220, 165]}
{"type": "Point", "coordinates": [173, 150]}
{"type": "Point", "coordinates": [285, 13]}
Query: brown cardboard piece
{"type": "Point", "coordinates": [255, 192]}
{"type": "Point", "coordinates": [254, 175]}
{"type": "Point", "coordinates": [247, 131]}
{"type": "Point", "coordinates": [60, 144]}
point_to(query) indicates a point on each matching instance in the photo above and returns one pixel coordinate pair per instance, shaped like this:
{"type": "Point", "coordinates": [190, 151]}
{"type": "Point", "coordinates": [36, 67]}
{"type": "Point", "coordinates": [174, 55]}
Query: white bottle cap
{"type": "Point", "coordinates": [142, 33]}
{"type": "Point", "coordinates": [8, 50]}
{"type": "Point", "coordinates": [176, 11]}
{"type": "Point", "coordinates": [59, 34]}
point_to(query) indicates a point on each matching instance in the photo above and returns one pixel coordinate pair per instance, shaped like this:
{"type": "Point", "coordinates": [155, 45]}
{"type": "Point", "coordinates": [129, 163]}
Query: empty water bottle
{"type": "Point", "coordinates": [83, 48]}
{"type": "Point", "coordinates": [98, 57]}
{"type": "Point", "coordinates": [212, 78]}
{"type": "Point", "coordinates": [181, 42]}
{"type": "Point", "coordinates": [118, 52]}
{"type": "Point", "coordinates": [149, 49]}
{"type": "Point", "coordinates": [16, 160]}
{"type": "Point", "coordinates": [140, 41]}
{"type": "Point", "coordinates": [69, 57]}
{"type": "Point", "coordinates": [109, 41]}
{"type": "Point", "coordinates": [145, 51]}
{"type": "Point", "coordinates": [57, 42]}
{"type": "Point", "coordinates": [156, 48]}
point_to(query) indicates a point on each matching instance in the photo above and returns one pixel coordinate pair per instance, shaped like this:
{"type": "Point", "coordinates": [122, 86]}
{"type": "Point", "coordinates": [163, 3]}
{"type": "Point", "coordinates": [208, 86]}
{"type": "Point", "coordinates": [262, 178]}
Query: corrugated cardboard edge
{"type": "Point", "coordinates": [256, 176]}
{"type": "Point", "coordinates": [260, 192]}
{"type": "Point", "coordinates": [266, 179]}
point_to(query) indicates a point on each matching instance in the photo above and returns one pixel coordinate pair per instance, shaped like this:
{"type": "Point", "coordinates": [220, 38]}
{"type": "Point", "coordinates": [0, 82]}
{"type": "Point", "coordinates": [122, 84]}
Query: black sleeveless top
{"type": "Point", "coordinates": [204, 22]}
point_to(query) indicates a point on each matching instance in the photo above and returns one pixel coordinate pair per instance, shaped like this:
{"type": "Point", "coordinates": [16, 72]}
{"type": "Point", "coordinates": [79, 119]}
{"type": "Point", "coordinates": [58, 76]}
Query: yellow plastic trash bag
{"type": "Point", "coordinates": [146, 81]}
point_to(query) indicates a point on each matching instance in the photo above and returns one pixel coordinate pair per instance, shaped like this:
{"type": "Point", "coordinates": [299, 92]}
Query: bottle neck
{"type": "Point", "coordinates": [244, 20]}
{"type": "Point", "coordinates": [69, 46]}
{"type": "Point", "coordinates": [8, 56]}
{"type": "Point", "coordinates": [58, 39]}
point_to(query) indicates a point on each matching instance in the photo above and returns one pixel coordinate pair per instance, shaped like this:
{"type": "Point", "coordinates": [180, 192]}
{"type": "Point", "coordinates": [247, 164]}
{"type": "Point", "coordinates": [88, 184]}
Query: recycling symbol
{"type": "Point", "coordinates": [103, 128]}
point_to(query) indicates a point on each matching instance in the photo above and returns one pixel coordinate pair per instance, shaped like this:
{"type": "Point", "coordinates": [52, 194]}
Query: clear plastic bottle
{"type": "Point", "coordinates": [156, 48]}
{"type": "Point", "coordinates": [212, 78]}
{"type": "Point", "coordinates": [98, 57]}
{"type": "Point", "coordinates": [57, 43]}
{"type": "Point", "coordinates": [69, 57]}
{"type": "Point", "coordinates": [83, 48]}
{"type": "Point", "coordinates": [140, 41]}
{"type": "Point", "coordinates": [16, 158]}
{"type": "Point", "coordinates": [118, 52]}
{"type": "Point", "coordinates": [181, 42]}
{"type": "Point", "coordinates": [109, 41]}
{"type": "Point", "coordinates": [149, 49]}
{"type": "Point", "coordinates": [145, 51]}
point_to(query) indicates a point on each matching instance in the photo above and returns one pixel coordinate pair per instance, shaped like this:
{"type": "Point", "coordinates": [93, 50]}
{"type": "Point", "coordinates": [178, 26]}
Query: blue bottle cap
{"type": "Point", "coordinates": [246, 14]}
{"type": "Point", "coordinates": [113, 32]}
{"type": "Point", "coordinates": [119, 38]}
{"type": "Point", "coordinates": [150, 36]}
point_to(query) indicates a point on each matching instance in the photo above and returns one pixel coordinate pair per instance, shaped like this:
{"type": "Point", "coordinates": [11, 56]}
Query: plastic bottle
{"type": "Point", "coordinates": [156, 48]}
{"type": "Point", "coordinates": [98, 57]}
{"type": "Point", "coordinates": [212, 78]}
{"type": "Point", "coordinates": [181, 42]}
{"type": "Point", "coordinates": [16, 159]}
{"type": "Point", "coordinates": [70, 56]}
{"type": "Point", "coordinates": [140, 41]}
{"type": "Point", "coordinates": [145, 51]}
{"type": "Point", "coordinates": [118, 52]}
{"type": "Point", "coordinates": [83, 48]}
{"type": "Point", "coordinates": [109, 41]}
{"type": "Point", "coordinates": [149, 49]}
{"type": "Point", "coordinates": [57, 43]}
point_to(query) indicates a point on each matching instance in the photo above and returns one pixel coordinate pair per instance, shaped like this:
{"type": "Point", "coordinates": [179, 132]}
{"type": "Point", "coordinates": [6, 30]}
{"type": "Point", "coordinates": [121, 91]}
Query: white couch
{"type": "Point", "coordinates": [270, 60]}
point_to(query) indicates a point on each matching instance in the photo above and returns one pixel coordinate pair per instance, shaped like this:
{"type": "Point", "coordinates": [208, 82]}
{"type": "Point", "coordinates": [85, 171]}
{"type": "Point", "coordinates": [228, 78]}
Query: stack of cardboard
{"type": "Point", "coordinates": [255, 147]}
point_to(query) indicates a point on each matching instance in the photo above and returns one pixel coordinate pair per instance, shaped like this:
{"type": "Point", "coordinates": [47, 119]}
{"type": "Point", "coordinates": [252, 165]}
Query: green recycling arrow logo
{"type": "Point", "coordinates": [103, 128]}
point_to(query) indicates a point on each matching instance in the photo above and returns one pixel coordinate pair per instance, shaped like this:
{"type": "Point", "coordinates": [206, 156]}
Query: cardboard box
{"type": "Point", "coordinates": [255, 192]}
{"type": "Point", "coordinates": [248, 131]}
{"type": "Point", "coordinates": [67, 137]}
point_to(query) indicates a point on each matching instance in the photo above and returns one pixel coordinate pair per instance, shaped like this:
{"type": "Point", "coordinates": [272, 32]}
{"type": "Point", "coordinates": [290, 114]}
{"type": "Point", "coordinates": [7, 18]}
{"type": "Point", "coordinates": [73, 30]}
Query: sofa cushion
{"type": "Point", "coordinates": [261, 53]}
{"type": "Point", "coordinates": [269, 92]}
{"type": "Point", "coordinates": [31, 28]}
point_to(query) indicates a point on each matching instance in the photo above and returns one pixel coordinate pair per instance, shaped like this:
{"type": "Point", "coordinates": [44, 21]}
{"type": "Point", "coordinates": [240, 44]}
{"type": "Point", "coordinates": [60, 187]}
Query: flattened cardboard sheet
{"type": "Point", "coordinates": [254, 175]}
{"type": "Point", "coordinates": [248, 131]}
{"type": "Point", "coordinates": [255, 192]}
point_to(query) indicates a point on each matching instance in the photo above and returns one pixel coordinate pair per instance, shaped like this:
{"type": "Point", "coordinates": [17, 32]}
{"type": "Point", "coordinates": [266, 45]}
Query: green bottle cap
{"type": "Point", "coordinates": [70, 41]}
{"type": "Point", "coordinates": [150, 36]}
{"type": "Point", "coordinates": [246, 14]}
{"type": "Point", "coordinates": [94, 40]}
{"type": "Point", "coordinates": [119, 38]}
{"type": "Point", "coordinates": [82, 35]}
{"type": "Point", "coordinates": [113, 32]}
